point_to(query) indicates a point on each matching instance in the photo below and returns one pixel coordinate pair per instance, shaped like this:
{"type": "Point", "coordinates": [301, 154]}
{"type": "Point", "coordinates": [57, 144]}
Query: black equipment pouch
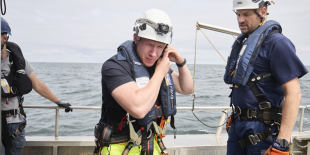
{"type": "Point", "coordinates": [103, 136]}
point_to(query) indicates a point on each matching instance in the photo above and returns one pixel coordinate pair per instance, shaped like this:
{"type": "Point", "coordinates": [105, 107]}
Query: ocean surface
{"type": "Point", "coordinates": [80, 85]}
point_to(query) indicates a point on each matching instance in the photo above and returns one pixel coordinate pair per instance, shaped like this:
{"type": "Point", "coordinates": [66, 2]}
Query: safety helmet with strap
{"type": "Point", "coordinates": [5, 28]}
{"type": "Point", "coordinates": [251, 4]}
{"type": "Point", "coordinates": [155, 25]}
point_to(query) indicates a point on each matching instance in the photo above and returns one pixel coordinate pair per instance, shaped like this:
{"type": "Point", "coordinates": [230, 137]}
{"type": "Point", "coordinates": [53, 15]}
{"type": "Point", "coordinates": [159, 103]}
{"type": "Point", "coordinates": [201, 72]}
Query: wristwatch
{"type": "Point", "coordinates": [182, 64]}
{"type": "Point", "coordinates": [281, 144]}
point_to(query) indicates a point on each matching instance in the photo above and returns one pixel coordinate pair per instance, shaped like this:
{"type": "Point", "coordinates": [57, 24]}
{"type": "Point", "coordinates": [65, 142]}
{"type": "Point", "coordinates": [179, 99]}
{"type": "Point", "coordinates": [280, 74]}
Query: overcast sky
{"type": "Point", "coordinates": [90, 31]}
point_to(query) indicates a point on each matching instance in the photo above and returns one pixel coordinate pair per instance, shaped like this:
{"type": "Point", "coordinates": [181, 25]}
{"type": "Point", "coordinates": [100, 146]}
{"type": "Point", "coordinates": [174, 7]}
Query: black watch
{"type": "Point", "coordinates": [281, 144]}
{"type": "Point", "coordinates": [182, 64]}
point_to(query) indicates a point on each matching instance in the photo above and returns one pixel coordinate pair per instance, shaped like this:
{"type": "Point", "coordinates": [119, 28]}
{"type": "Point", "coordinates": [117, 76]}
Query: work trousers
{"type": "Point", "coordinates": [243, 129]}
{"type": "Point", "coordinates": [117, 149]}
{"type": "Point", "coordinates": [18, 143]}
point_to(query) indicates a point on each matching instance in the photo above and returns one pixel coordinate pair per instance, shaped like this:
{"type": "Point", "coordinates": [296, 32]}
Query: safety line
{"type": "Point", "coordinates": [213, 45]}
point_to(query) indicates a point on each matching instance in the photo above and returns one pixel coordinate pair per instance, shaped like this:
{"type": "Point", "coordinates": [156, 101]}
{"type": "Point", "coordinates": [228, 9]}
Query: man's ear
{"type": "Point", "coordinates": [4, 37]}
{"type": "Point", "coordinates": [263, 11]}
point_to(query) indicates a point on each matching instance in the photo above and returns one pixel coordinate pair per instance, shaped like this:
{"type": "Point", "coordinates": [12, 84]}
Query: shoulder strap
{"type": "Point", "coordinates": [261, 98]}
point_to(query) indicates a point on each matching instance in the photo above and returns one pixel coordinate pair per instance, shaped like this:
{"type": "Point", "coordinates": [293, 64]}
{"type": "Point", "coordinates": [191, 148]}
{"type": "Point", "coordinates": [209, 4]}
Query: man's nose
{"type": "Point", "coordinates": [241, 19]}
{"type": "Point", "coordinates": [153, 52]}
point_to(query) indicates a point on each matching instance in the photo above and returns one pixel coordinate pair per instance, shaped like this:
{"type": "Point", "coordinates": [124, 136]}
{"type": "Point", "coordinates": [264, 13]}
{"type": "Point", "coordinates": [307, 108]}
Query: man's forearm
{"type": "Point", "coordinates": [289, 116]}
{"type": "Point", "coordinates": [185, 80]}
{"type": "Point", "coordinates": [44, 91]}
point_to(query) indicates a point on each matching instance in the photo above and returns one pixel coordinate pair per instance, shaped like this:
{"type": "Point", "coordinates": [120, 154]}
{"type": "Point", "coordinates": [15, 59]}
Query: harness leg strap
{"type": "Point", "coordinates": [254, 139]}
{"type": "Point", "coordinates": [6, 138]}
{"type": "Point", "coordinates": [144, 141]}
{"type": "Point", "coordinates": [150, 146]}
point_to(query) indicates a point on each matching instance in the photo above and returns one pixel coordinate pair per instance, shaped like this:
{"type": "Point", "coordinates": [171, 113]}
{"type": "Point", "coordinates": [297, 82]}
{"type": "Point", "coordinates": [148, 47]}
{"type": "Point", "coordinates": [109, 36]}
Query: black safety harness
{"type": "Point", "coordinates": [271, 117]}
{"type": "Point", "coordinates": [103, 134]}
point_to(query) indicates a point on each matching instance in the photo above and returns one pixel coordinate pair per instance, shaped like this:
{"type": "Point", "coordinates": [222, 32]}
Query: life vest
{"type": "Point", "coordinates": [126, 52]}
{"type": "Point", "coordinates": [17, 83]}
{"type": "Point", "coordinates": [243, 55]}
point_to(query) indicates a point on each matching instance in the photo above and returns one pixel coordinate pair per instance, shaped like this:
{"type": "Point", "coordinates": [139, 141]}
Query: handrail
{"type": "Point", "coordinates": [219, 129]}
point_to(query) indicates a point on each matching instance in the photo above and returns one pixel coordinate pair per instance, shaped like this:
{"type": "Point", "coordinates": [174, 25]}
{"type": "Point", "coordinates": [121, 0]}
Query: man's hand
{"type": "Point", "coordinates": [174, 55]}
{"type": "Point", "coordinates": [163, 65]}
{"type": "Point", "coordinates": [65, 105]}
{"type": "Point", "coordinates": [273, 151]}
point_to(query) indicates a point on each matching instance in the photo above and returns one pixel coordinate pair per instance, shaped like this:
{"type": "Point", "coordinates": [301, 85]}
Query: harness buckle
{"type": "Point", "coordinates": [264, 105]}
{"type": "Point", "coordinates": [253, 113]}
{"type": "Point", "coordinates": [16, 111]}
{"type": "Point", "coordinates": [15, 134]}
{"type": "Point", "coordinates": [254, 139]}
{"type": "Point", "coordinates": [238, 114]}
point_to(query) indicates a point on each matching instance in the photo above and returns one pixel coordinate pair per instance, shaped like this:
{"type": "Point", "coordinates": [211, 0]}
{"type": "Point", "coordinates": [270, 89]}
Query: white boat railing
{"type": "Point", "coordinates": [219, 129]}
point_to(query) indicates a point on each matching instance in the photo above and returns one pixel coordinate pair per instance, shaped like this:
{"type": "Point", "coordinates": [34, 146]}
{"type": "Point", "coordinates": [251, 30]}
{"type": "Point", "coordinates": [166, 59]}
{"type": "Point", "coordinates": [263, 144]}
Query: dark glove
{"type": "Point", "coordinates": [274, 151]}
{"type": "Point", "coordinates": [65, 105]}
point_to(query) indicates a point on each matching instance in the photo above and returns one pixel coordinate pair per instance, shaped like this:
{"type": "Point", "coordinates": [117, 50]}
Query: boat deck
{"type": "Point", "coordinates": [198, 144]}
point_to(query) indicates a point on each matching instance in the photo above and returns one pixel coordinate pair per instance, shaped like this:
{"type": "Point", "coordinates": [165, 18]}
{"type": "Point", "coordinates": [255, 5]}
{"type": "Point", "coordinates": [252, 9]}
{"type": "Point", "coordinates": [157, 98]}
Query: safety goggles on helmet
{"type": "Point", "coordinates": [155, 25]}
{"type": "Point", "coordinates": [160, 28]}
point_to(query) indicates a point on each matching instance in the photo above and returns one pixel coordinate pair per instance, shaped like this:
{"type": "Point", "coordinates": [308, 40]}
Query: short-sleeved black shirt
{"type": "Point", "coordinates": [114, 74]}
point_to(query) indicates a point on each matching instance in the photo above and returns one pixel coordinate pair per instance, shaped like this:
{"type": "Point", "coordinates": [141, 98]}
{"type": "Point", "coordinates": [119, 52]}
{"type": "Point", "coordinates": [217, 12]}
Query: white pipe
{"type": "Point", "coordinates": [218, 29]}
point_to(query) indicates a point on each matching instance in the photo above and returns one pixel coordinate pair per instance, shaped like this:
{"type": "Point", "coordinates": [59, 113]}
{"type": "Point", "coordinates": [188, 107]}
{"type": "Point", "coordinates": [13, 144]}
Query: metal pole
{"type": "Point", "coordinates": [56, 123]}
{"type": "Point", "coordinates": [301, 119]}
{"type": "Point", "coordinates": [219, 129]}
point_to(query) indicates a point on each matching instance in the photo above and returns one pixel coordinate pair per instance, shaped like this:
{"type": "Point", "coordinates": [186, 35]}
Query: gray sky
{"type": "Point", "coordinates": [90, 31]}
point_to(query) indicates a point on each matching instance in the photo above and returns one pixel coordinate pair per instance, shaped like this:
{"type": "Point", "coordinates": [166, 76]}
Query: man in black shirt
{"type": "Point", "coordinates": [139, 78]}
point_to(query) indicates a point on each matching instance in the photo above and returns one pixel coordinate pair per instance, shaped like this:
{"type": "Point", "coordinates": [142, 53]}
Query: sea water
{"type": "Point", "coordinates": [80, 85]}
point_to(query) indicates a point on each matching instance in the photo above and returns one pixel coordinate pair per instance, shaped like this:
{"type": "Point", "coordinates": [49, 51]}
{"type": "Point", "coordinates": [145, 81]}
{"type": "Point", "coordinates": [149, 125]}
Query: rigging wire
{"type": "Point", "coordinates": [194, 95]}
{"type": "Point", "coordinates": [212, 44]}
{"type": "Point", "coordinates": [4, 8]}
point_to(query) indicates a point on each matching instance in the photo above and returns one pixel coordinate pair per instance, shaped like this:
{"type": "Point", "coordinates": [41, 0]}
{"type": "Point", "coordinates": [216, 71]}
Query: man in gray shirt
{"type": "Point", "coordinates": [13, 116]}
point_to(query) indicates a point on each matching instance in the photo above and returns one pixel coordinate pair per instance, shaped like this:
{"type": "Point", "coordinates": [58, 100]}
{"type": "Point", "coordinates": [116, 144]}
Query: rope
{"type": "Point", "coordinates": [300, 145]}
{"type": "Point", "coordinates": [194, 95]}
{"type": "Point", "coordinates": [4, 7]}
{"type": "Point", "coordinates": [213, 45]}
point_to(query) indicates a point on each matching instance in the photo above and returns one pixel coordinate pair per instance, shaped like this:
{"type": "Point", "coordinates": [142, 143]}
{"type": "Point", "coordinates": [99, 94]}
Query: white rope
{"type": "Point", "coordinates": [212, 44]}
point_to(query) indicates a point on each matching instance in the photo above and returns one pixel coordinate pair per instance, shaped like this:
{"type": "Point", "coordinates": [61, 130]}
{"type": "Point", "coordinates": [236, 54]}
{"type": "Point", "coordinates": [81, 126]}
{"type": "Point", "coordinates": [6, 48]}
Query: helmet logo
{"type": "Point", "coordinates": [255, 1]}
{"type": "Point", "coordinates": [239, 3]}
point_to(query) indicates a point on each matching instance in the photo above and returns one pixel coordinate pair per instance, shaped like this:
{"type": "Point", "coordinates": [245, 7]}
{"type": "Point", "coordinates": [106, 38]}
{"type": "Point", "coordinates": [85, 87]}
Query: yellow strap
{"type": "Point", "coordinates": [232, 73]}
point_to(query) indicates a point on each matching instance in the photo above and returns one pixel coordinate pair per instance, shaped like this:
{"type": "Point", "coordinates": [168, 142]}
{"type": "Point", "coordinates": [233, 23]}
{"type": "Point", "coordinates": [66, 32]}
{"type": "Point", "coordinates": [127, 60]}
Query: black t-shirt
{"type": "Point", "coordinates": [114, 74]}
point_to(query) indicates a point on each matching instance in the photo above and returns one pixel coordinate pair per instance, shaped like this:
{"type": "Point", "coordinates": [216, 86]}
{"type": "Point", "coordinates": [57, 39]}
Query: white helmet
{"type": "Point", "coordinates": [155, 25]}
{"type": "Point", "coordinates": [249, 4]}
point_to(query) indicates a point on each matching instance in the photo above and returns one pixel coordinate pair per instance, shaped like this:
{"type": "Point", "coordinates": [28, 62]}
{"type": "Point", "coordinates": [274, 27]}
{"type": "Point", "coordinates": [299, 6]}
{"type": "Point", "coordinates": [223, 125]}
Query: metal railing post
{"type": "Point", "coordinates": [220, 128]}
{"type": "Point", "coordinates": [56, 123]}
{"type": "Point", "coordinates": [301, 119]}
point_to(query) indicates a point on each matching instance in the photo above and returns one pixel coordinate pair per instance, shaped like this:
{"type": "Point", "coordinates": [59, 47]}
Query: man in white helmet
{"type": "Point", "coordinates": [264, 69]}
{"type": "Point", "coordinates": [138, 89]}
